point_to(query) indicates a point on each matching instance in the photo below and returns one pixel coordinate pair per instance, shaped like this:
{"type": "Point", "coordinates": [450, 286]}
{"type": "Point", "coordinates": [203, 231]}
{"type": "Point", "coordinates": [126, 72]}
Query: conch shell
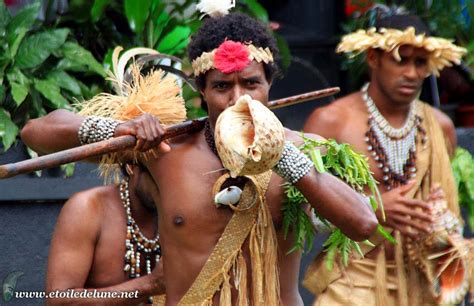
{"type": "Point", "coordinates": [249, 137]}
{"type": "Point", "coordinates": [443, 255]}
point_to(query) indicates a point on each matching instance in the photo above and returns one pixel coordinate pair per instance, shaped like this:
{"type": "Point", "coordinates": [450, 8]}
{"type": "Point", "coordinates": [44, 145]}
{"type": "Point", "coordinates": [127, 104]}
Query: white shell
{"type": "Point", "coordinates": [249, 137]}
{"type": "Point", "coordinates": [229, 195]}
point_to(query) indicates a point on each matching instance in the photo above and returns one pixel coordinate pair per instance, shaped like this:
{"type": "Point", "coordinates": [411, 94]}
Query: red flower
{"type": "Point", "coordinates": [231, 56]}
{"type": "Point", "coordinates": [360, 7]}
{"type": "Point", "coordinates": [9, 2]}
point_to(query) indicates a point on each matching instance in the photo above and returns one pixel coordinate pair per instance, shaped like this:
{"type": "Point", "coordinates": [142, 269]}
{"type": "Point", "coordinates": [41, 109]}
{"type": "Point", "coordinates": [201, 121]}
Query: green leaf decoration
{"type": "Point", "coordinates": [51, 91]}
{"type": "Point", "coordinates": [22, 22]}
{"type": "Point", "coordinates": [385, 234]}
{"type": "Point", "coordinates": [65, 81]}
{"type": "Point", "coordinates": [137, 14]}
{"type": "Point", "coordinates": [98, 9]}
{"type": "Point", "coordinates": [353, 169]}
{"type": "Point", "coordinates": [175, 40]}
{"type": "Point", "coordinates": [9, 285]}
{"type": "Point", "coordinates": [35, 49]}
{"type": "Point", "coordinates": [77, 56]}
{"type": "Point", "coordinates": [8, 129]}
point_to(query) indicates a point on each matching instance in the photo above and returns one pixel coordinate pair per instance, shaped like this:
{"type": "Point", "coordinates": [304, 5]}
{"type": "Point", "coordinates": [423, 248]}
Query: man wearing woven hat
{"type": "Point", "coordinates": [407, 145]}
{"type": "Point", "coordinates": [222, 238]}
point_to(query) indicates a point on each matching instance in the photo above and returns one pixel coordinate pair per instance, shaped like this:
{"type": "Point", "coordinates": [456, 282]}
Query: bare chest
{"type": "Point", "coordinates": [107, 267]}
{"type": "Point", "coordinates": [354, 133]}
{"type": "Point", "coordinates": [186, 208]}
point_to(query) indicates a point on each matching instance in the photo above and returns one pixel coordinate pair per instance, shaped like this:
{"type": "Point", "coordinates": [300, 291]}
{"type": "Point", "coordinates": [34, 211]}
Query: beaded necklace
{"type": "Point", "coordinates": [137, 246]}
{"type": "Point", "coordinates": [393, 149]}
{"type": "Point", "coordinates": [210, 138]}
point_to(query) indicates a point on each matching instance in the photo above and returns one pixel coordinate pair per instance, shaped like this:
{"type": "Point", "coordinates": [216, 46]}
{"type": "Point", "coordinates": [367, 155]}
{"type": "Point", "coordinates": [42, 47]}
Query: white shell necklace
{"type": "Point", "coordinates": [393, 149]}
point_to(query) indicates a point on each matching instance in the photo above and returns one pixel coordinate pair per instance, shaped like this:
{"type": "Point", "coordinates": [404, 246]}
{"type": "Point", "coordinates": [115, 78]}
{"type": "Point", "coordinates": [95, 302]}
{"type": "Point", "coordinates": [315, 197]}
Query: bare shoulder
{"type": "Point", "coordinates": [89, 203]}
{"type": "Point", "coordinates": [448, 128]}
{"type": "Point", "coordinates": [328, 120]}
{"type": "Point", "coordinates": [444, 121]}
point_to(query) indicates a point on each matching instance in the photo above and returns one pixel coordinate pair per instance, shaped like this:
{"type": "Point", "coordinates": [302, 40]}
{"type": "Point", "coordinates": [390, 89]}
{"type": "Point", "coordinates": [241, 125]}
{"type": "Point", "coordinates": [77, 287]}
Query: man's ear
{"type": "Point", "coordinates": [372, 58]}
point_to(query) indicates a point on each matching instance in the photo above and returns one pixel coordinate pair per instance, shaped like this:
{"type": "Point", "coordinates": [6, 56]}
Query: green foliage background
{"type": "Point", "coordinates": [46, 65]}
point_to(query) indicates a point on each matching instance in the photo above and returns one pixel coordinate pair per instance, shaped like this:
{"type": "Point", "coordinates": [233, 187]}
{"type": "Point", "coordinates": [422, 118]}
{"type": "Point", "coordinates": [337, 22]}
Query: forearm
{"type": "Point", "coordinates": [144, 287]}
{"type": "Point", "coordinates": [54, 132]}
{"type": "Point", "coordinates": [339, 204]}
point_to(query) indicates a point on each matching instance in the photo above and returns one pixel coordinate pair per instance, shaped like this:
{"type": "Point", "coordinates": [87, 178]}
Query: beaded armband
{"type": "Point", "coordinates": [293, 164]}
{"type": "Point", "coordinates": [95, 129]}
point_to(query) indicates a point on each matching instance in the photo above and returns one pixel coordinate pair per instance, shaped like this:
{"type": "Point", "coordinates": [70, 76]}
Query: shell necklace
{"type": "Point", "coordinates": [137, 246]}
{"type": "Point", "coordinates": [393, 149]}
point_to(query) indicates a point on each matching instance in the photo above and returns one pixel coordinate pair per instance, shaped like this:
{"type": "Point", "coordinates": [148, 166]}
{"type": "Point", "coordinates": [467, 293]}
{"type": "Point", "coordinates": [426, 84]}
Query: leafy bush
{"type": "Point", "coordinates": [463, 170]}
{"type": "Point", "coordinates": [39, 66]}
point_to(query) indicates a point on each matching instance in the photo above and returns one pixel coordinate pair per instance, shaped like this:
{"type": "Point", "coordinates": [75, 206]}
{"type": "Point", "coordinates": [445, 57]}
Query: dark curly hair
{"type": "Point", "coordinates": [236, 27]}
{"type": "Point", "coordinates": [402, 22]}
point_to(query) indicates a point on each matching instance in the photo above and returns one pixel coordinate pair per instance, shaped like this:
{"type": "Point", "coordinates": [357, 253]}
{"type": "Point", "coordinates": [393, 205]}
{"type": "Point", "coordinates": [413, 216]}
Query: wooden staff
{"type": "Point", "coordinates": [126, 142]}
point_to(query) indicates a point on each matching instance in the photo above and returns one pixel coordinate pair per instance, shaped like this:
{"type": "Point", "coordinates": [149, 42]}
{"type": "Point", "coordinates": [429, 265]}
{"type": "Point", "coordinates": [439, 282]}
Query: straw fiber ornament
{"type": "Point", "coordinates": [157, 94]}
{"type": "Point", "coordinates": [249, 137]}
{"type": "Point", "coordinates": [443, 255]}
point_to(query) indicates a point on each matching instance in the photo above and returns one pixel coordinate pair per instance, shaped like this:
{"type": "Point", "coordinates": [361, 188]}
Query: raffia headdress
{"type": "Point", "coordinates": [442, 51]}
{"type": "Point", "coordinates": [156, 93]}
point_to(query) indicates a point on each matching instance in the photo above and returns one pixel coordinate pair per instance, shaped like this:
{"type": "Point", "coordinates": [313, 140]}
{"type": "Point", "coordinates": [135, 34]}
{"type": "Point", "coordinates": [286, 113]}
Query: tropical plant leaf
{"type": "Point", "coordinates": [2, 92]}
{"type": "Point", "coordinates": [257, 10]}
{"type": "Point", "coordinates": [175, 40]}
{"type": "Point", "coordinates": [68, 169]}
{"type": "Point", "coordinates": [16, 42]}
{"type": "Point", "coordinates": [160, 21]}
{"type": "Point", "coordinates": [22, 22]}
{"type": "Point", "coordinates": [51, 91]}
{"type": "Point", "coordinates": [78, 56]}
{"type": "Point", "coordinates": [8, 129]}
{"type": "Point", "coordinates": [137, 14]}
{"type": "Point", "coordinates": [385, 234]}
{"type": "Point", "coordinates": [19, 85]}
{"type": "Point", "coordinates": [353, 169]}
{"type": "Point", "coordinates": [5, 17]}
{"type": "Point", "coordinates": [65, 81]}
{"type": "Point", "coordinates": [98, 9]}
{"type": "Point", "coordinates": [285, 53]}
{"type": "Point", "coordinates": [35, 49]}
{"type": "Point", "coordinates": [19, 93]}
{"type": "Point", "coordinates": [463, 171]}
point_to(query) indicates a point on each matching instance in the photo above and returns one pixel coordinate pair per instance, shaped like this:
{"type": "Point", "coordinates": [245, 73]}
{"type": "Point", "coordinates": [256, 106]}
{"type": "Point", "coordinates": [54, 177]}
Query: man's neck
{"type": "Point", "coordinates": [144, 217]}
{"type": "Point", "coordinates": [395, 113]}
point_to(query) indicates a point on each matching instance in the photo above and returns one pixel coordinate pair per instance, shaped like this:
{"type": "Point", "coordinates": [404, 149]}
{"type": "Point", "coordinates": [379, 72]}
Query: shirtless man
{"type": "Point", "coordinates": [185, 172]}
{"type": "Point", "coordinates": [394, 86]}
{"type": "Point", "coordinates": [88, 246]}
